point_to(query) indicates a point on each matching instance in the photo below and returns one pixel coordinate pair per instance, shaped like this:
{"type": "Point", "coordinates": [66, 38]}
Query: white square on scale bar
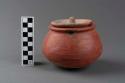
{"type": "Point", "coordinates": [30, 25]}
{"type": "Point", "coordinates": [30, 34]}
{"type": "Point", "coordinates": [25, 39]}
{"type": "Point", "coordinates": [25, 19]}
{"type": "Point", "coordinates": [30, 61]}
{"type": "Point", "coordinates": [30, 53]}
{"type": "Point", "coordinates": [24, 29]}
{"type": "Point", "coordinates": [25, 48]}
{"type": "Point", "coordinates": [30, 43]}
{"type": "Point", "coordinates": [25, 57]}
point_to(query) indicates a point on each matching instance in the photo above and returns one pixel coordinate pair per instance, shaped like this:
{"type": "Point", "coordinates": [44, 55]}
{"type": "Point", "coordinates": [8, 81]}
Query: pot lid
{"type": "Point", "coordinates": [71, 22]}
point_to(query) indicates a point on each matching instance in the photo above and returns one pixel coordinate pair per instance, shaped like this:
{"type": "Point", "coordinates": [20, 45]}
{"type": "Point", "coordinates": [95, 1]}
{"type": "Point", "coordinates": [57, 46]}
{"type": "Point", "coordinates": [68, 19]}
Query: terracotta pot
{"type": "Point", "coordinates": [72, 43]}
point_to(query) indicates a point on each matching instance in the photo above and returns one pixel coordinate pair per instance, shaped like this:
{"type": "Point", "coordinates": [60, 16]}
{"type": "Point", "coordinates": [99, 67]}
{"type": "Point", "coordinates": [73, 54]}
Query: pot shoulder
{"type": "Point", "coordinates": [79, 42]}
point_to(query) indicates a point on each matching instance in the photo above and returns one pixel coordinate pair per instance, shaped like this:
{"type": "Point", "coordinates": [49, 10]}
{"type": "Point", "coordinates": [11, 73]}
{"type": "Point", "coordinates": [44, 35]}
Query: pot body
{"type": "Point", "coordinates": [70, 49]}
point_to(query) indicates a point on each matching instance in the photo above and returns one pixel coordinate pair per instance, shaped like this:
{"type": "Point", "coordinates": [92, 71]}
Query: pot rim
{"type": "Point", "coordinates": [71, 22]}
{"type": "Point", "coordinates": [76, 29]}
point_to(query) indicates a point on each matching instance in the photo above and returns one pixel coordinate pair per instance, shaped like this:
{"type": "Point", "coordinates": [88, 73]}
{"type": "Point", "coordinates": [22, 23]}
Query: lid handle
{"type": "Point", "coordinates": [71, 19]}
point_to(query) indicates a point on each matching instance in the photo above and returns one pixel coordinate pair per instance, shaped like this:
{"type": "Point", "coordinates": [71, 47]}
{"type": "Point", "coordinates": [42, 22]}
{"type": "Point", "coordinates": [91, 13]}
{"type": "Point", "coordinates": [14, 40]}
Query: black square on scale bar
{"type": "Point", "coordinates": [25, 34]}
{"type": "Point", "coordinates": [25, 61]}
{"type": "Point", "coordinates": [30, 20]}
{"type": "Point", "coordinates": [30, 48]}
{"type": "Point", "coordinates": [30, 29]}
{"type": "Point", "coordinates": [30, 39]}
{"type": "Point", "coordinates": [25, 43]}
{"type": "Point", "coordinates": [30, 57]}
{"type": "Point", "coordinates": [25, 52]}
{"type": "Point", "coordinates": [25, 24]}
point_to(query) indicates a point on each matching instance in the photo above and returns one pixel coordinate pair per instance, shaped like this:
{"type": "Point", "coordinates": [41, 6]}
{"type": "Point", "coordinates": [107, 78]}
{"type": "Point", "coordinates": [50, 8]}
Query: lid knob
{"type": "Point", "coordinates": [71, 19]}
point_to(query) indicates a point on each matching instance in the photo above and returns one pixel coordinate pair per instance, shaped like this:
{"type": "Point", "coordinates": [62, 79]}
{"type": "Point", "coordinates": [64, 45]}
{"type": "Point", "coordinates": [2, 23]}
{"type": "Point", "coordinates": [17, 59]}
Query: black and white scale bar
{"type": "Point", "coordinates": [27, 40]}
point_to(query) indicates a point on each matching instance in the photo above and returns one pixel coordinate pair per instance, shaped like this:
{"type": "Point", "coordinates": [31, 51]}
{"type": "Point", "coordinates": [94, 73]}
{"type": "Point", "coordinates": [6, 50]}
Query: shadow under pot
{"type": "Point", "coordinates": [72, 43]}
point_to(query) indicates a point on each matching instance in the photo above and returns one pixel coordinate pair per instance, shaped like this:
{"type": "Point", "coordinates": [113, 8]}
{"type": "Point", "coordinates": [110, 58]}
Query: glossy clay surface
{"type": "Point", "coordinates": [72, 47]}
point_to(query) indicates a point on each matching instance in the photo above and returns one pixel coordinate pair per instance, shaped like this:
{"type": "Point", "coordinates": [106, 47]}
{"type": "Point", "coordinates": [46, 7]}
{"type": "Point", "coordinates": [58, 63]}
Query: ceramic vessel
{"type": "Point", "coordinates": [72, 43]}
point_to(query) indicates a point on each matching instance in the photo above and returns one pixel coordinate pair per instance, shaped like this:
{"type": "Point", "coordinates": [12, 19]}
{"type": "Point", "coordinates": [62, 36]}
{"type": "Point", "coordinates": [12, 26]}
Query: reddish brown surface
{"type": "Point", "coordinates": [72, 47]}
